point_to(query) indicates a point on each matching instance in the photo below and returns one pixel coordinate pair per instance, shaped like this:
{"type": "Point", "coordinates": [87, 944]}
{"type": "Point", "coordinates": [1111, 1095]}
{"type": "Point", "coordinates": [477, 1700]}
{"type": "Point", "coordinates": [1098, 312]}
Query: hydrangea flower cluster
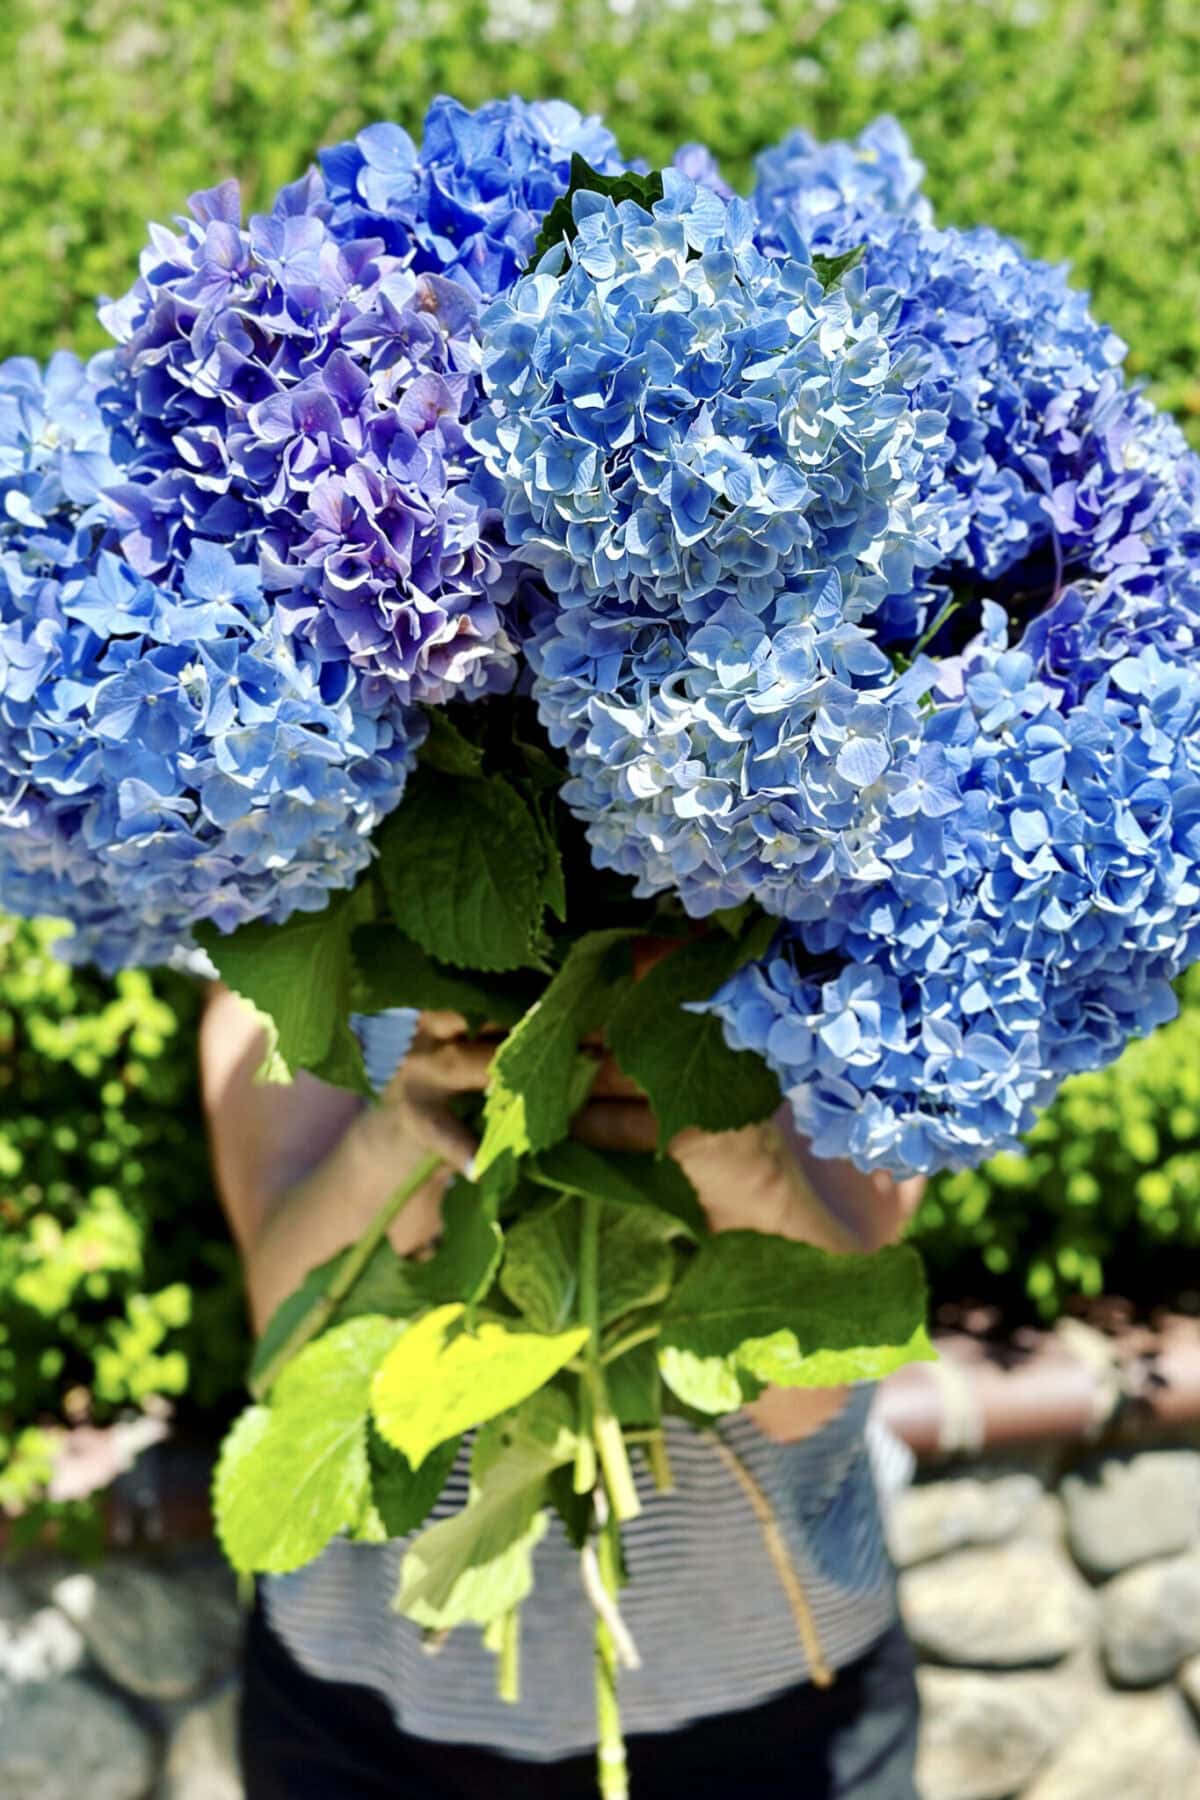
{"type": "Point", "coordinates": [303, 400]}
{"type": "Point", "coordinates": [1044, 888]}
{"type": "Point", "coordinates": [1063, 472]}
{"type": "Point", "coordinates": [167, 752]}
{"type": "Point", "coordinates": [718, 468]}
{"type": "Point", "coordinates": [469, 204]}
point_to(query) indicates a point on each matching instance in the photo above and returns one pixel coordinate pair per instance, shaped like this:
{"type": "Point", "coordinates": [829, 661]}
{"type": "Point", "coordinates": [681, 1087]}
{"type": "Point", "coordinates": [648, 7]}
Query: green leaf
{"type": "Point", "coordinates": [536, 1082]}
{"type": "Point", "coordinates": [540, 1271]}
{"type": "Point", "coordinates": [404, 1497]}
{"type": "Point", "coordinates": [297, 976]}
{"type": "Point", "coordinates": [559, 224]}
{"type": "Point", "coordinates": [623, 1178]}
{"type": "Point", "coordinates": [384, 1286]}
{"type": "Point", "coordinates": [476, 1566]}
{"type": "Point", "coordinates": [830, 269]}
{"type": "Point", "coordinates": [762, 1307]}
{"type": "Point", "coordinates": [680, 1059]}
{"type": "Point", "coordinates": [469, 1251]}
{"type": "Point", "coordinates": [448, 749]}
{"type": "Point", "coordinates": [540, 787]}
{"type": "Point", "coordinates": [635, 1388]}
{"type": "Point", "coordinates": [636, 1262]}
{"type": "Point", "coordinates": [293, 1474]}
{"type": "Point", "coordinates": [441, 1379]}
{"type": "Point", "coordinates": [461, 863]}
{"type": "Point", "coordinates": [390, 970]}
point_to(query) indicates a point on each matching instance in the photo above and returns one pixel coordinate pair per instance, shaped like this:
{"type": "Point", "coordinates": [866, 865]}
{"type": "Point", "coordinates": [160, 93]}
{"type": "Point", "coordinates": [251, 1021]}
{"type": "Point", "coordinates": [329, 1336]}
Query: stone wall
{"type": "Point", "coordinates": [1057, 1616]}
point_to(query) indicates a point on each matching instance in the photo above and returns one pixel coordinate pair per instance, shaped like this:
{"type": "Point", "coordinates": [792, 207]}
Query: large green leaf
{"type": "Point", "coordinates": [468, 1253]}
{"type": "Point", "coordinates": [623, 1178]}
{"type": "Point", "coordinates": [680, 1059]}
{"type": "Point", "coordinates": [390, 970]}
{"type": "Point", "coordinates": [536, 1076]}
{"type": "Point", "coordinates": [384, 1286]}
{"type": "Point", "coordinates": [476, 1566]}
{"type": "Point", "coordinates": [294, 1474]}
{"type": "Point", "coordinates": [441, 1379]}
{"type": "Point", "coordinates": [540, 1271]}
{"type": "Point", "coordinates": [559, 224]}
{"type": "Point", "coordinates": [635, 1388]}
{"type": "Point", "coordinates": [761, 1308]}
{"type": "Point", "coordinates": [297, 976]}
{"type": "Point", "coordinates": [404, 1496]}
{"type": "Point", "coordinates": [461, 862]}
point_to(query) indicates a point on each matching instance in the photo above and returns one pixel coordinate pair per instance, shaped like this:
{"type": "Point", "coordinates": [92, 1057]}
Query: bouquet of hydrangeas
{"type": "Point", "coordinates": [498, 560]}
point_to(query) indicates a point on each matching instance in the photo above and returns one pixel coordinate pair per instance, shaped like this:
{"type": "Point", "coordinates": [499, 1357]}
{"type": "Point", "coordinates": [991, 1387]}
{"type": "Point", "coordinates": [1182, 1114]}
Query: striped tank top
{"type": "Point", "coordinates": [713, 1627]}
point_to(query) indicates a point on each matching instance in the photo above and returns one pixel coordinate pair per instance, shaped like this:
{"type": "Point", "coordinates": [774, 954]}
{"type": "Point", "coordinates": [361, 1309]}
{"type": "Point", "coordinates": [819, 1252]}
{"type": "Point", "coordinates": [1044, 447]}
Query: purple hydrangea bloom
{"type": "Point", "coordinates": [470, 202]}
{"type": "Point", "coordinates": [168, 753]}
{"type": "Point", "coordinates": [303, 400]}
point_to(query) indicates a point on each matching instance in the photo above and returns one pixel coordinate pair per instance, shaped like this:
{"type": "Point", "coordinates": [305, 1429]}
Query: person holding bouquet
{"type": "Point", "coordinates": [340, 1699]}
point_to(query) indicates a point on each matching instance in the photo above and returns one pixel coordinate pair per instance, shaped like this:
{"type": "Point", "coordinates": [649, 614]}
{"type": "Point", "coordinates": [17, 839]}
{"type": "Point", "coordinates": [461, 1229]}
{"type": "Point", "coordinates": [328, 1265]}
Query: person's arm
{"type": "Point", "coordinates": [303, 1168]}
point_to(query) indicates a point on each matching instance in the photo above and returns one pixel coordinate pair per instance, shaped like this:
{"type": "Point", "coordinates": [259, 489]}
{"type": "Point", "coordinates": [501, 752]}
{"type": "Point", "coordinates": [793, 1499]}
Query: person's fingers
{"type": "Point", "coordinates": [460, 1066]}
{"type": "Point", "coordinates": [616, 1125]}
{"type": "Point", "coordinates": [441, 1025]}
{"type": "Point", "coordinates": [446, 1136]}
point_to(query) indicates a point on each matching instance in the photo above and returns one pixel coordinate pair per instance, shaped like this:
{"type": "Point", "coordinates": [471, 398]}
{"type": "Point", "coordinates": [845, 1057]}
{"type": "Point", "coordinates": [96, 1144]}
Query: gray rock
{"type": "Point", "coordinates": [939, 1516]}
{"type": "Point", "coordinates": [1130, 1747]}
{"type": "Point", "coordinates": [36, 1642]}
{"type": "Point", "coordinates": [1189, 1681]}
{"type": "Point", "coordinates": [202, 1759]}
{"type": "Point", "coordinates": [984, 1736]}
{"type": "Point", "coordinates": [1013, 1606]}
{"type": "Point", "coordinates": [1150, 1620]}
{"type": "Point", "coordinates": [1123, 1510]}
{"type": "Point", "coordinates": [63, 1738]}
{"type": "Point", "coordinates": [161, 1628]}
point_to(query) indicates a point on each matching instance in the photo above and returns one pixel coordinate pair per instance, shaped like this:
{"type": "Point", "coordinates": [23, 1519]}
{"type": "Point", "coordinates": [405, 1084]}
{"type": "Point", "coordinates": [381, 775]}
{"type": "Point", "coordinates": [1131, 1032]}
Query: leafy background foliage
{"type": "Point", "coordinates": [1074, 124]}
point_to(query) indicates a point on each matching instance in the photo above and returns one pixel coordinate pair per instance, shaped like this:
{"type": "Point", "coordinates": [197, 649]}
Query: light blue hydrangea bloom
{"type": "Point", "coordinates": [168, 754]}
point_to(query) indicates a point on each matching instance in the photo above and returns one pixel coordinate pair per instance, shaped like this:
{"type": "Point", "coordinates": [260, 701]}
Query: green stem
{"type": "Point", "coordinates": [611, 1764]}
{"type": "Point", "coordinates": [622, 1346]}
{"type": "Point", "coordinates": [606, 1427]}
{"type": "Point", "coordinates": [324, 1306]}
{"type": "Point", "coordinates": [508, 1680]}
{"type": "Point", "coordinates": [660, 1462]}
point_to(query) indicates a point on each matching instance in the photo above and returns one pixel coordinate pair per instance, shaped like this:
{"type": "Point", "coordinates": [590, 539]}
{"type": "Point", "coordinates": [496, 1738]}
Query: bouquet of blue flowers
{"type": "Point", "coordinates": [500, 555]}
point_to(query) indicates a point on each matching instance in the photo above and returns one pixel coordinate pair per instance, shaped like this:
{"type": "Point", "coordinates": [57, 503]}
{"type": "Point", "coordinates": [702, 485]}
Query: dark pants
{"type": "Point", "coordinates": [306, 1739]}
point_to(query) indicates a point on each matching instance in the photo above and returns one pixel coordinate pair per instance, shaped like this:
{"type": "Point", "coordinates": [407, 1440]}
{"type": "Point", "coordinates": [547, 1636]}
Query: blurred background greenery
{"type": "Point", "coordinates": [1073, 124]}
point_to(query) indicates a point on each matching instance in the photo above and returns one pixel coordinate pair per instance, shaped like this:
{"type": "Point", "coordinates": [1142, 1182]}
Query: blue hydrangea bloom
{"type": "Point", "coordinates": [168, 752]}
{"type": "Point", "coordinates": [468, 204]}
{"type": "Point", "coordinates": [719, 469]}
{"type": "Point", "coordinates": [1030, 925]}
{"type": "Point", "coordinates": [1062, 472]}
{"type": "Point", "coordinates": [303, 401]}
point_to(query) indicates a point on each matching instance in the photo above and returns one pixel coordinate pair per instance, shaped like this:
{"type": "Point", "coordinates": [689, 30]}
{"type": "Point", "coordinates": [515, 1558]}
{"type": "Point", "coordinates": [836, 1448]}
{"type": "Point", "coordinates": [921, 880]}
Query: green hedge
{"type": "Point", "coordinates": [117, 1279]}
{"type": "Point", "coordinates": [1073, 123]}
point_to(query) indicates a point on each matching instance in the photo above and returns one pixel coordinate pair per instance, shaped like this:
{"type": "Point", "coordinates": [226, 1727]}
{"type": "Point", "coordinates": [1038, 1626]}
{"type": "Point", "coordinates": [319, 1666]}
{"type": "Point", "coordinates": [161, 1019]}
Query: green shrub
{"type": "Point", "coordinates": [1105, 1199]}
{"type": "Point", "coordinates": [117, 1279]}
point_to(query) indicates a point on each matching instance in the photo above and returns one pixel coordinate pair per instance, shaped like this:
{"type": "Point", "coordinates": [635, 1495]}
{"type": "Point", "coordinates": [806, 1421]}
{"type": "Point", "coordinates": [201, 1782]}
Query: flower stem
{"type": "Point", "coordinates": [606, 1427]}
{"type": "Point", "coordinates": [611, 1764]}
{"type": "Point", "coordinates": [324, 1306]}
{"type": "Point", "coordinates": [508, 1681]}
